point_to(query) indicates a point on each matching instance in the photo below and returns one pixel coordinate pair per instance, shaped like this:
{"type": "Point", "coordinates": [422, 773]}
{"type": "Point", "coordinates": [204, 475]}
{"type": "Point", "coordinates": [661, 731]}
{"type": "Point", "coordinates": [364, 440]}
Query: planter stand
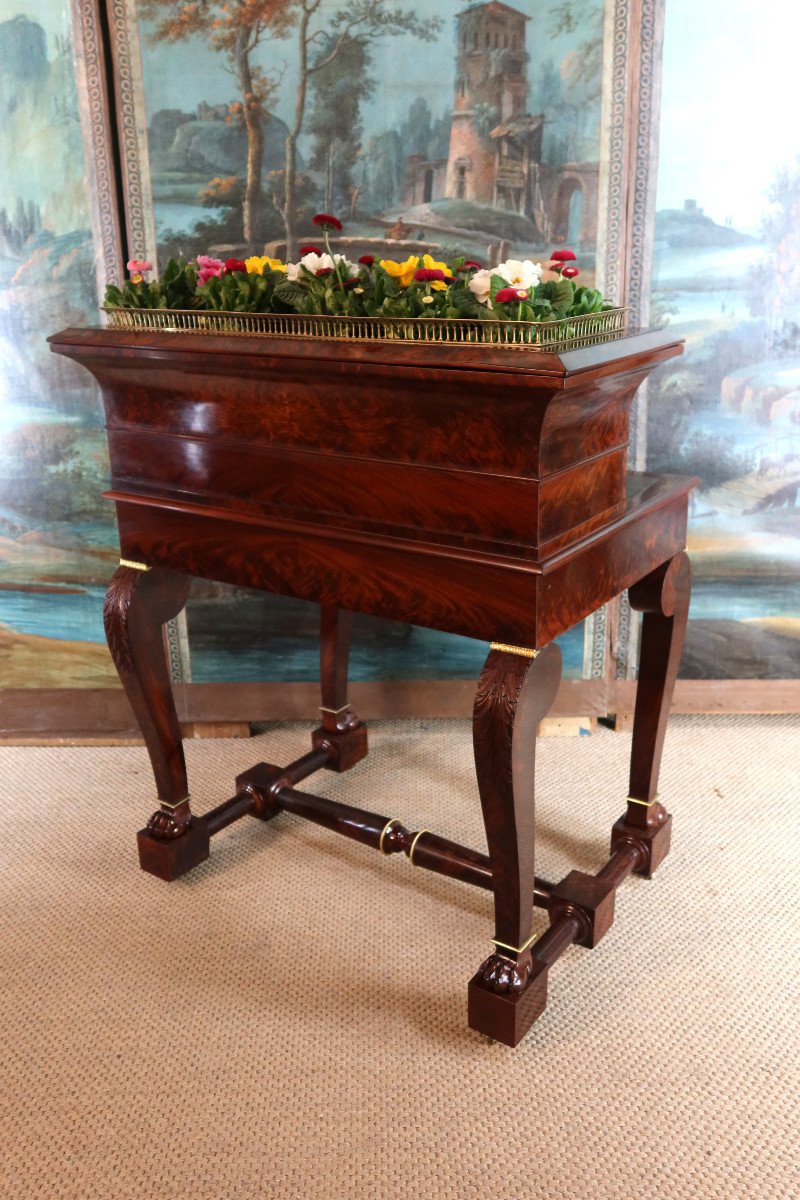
{"type": "Point", "coordinates": [444, 487]}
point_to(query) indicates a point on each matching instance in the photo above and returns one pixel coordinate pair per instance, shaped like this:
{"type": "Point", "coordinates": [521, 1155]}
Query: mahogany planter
{"type": "Point", "coordinates": [478, 490]}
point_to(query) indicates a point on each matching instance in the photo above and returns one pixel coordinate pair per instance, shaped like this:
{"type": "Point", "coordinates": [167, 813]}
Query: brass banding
{"type": "Point", "coordinates": [384, 831]}
{"type": "Point", "coordinates": [516, 949]}
{"type": "Point", "coordinates": [413, 844]}
{"type": "Point", "coordinates": [334, 712]}
{"type": "Point", "coordinates": [644, 803]}
{"type": "Point", "coordinates": [137, 566]}
{"type": "Point", "coordinates": [172, 807]}
{"type": "Point", "coordinates": [521, 650]}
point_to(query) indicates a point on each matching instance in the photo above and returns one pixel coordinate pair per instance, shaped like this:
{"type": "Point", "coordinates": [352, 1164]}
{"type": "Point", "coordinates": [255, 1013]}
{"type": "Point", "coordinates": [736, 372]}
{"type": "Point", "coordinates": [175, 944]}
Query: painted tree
{"type": "Point", "coordinates": [362, 21]}
{"type": "Point", "coordinates": [575, 119]}
{"type": "Point", "coordinates": [237, 27]}
{"type": "Point", "coordinates": [776, 294]}
{"type": "Point", "coordinates": [335, 119]}
{"type": "Point", "coordinates": [234, 28]}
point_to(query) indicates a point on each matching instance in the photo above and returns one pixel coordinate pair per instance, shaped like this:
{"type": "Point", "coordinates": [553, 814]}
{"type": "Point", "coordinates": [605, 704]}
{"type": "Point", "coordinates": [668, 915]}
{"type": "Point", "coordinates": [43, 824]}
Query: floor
{"type": "Point", "coordinates": [289, 1020]}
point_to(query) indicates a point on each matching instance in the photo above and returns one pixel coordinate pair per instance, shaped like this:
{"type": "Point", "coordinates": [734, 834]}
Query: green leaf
{"type": "Point", "coordinates": [467, 304]}
{"type": "Point", "coordinates": [496, 284]}
{"type": "Point", "coordinates": [291, 293]}
{"type": "Point", "coordinates": [558, 292]}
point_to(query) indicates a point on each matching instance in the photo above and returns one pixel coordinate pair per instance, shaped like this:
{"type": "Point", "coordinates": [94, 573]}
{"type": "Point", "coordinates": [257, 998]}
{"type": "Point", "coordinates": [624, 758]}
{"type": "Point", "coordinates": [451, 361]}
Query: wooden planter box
{"type": "Point", "coordinates": [477, 490]}
{"type": "Point", "coordinates": [366, 474]}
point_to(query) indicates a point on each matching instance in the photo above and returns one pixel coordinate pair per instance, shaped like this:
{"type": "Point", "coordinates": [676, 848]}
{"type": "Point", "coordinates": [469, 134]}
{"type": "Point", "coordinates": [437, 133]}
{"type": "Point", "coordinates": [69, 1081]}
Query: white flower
{"type": "Point", "coordinates": [480, 285]}
{"type": "Point", "coordinates": [519, 274]}
{"type": "Point", "coordinates": [319, 262]}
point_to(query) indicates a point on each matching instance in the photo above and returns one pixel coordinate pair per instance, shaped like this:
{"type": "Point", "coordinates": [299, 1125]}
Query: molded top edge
{"type": "Point", "coordinates": [100, 341]}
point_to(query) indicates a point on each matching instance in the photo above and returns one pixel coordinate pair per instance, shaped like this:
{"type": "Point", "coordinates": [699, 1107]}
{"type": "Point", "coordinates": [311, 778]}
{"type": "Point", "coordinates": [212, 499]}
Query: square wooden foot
{"type": "Point", "coordinates": [594, 900]}
{"type": "Point", "coordinates": [169, 859]}
{"type": "Point", "coordinates": [507, 1016]}
{"type": "Point", "coordinates": [345, 747]}
{"type": "Point", "coordinates": [654, 841]}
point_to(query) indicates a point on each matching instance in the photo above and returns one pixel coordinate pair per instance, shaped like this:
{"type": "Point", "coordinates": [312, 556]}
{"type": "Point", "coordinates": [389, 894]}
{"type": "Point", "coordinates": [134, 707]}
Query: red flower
{"type": "Point", "coordinates": [352, 282]}
{"type": "Point", "coordinates": [570, 272]}
{"type": "Point", "coordinates": [326, 221]}
{"type": "Point", "coordinates": [510, 294]}
{"type": "Point", "coordinates": [323, 271]}
{"type": "Point", "coordinates": [555, 267]}
{"type": "Point", "coordinates": [425, 275]}
{"type": "Point", "coordinates": [367, 259]}
{"type": "Point", "coordinates": [309, 250]}
{"type": "Point", "coordinates": [470, 265]}
{"type": "Point", "coordinates": [563, 256]}
{"type": "Point", "coordinates": [234, 264]}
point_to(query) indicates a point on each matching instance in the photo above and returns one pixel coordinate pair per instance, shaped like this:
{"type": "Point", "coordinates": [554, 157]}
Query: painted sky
{"type": "Point", "coordinates": [729, 105]}
{"type": "Point", "coordinates": [53, 16]}
{"type": "Point", "coordinates": [181, 74]}
{"type": "Point", "coordinates": [728, 120]}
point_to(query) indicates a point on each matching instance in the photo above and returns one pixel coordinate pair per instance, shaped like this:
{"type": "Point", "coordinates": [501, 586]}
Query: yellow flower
{"type": "Point", "coordinates": [431, 264]}
{"type": "Point", "coordinates": [402, 272]}
{"type": "Point", "coordinates": [255, 265]}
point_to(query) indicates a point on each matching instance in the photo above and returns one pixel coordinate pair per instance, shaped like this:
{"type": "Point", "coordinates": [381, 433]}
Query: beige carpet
{"type": "Point", "coordinates": [289, 1020]}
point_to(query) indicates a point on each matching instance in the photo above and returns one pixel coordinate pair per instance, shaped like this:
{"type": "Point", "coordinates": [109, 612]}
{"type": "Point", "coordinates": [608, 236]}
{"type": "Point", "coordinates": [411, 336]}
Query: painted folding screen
{"type": "Point", "coordinates": [58, 541]}
{"type": "Point", "coordinates": [727, 277]}
{"type": "Point", "coordinates": [461, 128]}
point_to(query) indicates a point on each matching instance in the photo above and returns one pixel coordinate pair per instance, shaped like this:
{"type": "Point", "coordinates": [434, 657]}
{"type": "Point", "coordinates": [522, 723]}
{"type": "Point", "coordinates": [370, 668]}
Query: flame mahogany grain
{"type": "Point", "coordinates": [477, 490]}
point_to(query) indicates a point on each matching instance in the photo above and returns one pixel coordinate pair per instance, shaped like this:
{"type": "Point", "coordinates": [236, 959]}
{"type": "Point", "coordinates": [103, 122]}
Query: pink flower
{"type": "Point", "coordinates": [137, 268]}
{"type": "Point", "coordinates": [209, 267]}
{"type": "Point", "coordinates": [570, 272]}
{"type": "Point", "coordinates": [510, 294]}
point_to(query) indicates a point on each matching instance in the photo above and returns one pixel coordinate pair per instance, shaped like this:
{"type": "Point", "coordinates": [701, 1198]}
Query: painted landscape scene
{"type": "Point", "coordinates": [727, 278]}
{"type": "Point", "coordinates": [58, 540]}
{"type": "Point", "coordinates": [457, 128]}
{"type": "Point", "coordinates": [460, 126]}
{"type": "Point", "coordinates": [378, 141]}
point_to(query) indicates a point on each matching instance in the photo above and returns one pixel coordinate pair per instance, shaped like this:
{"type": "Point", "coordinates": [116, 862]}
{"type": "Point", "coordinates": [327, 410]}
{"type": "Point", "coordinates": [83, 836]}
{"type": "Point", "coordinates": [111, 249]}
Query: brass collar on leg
{"type": "Point", "coordinates": [137, 566]}
{"type": "Point", "coordinates": [644, 803]}
{"type": "Point", "coordinates": [516, 949]}
{"type": "Point", "coordinates": [521, 650]}
{"type": "Point", "coordinates": [172, 807]}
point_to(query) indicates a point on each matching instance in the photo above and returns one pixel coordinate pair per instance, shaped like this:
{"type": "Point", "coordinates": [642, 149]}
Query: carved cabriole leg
{"type": "Point", "coordinates": [663, 597]}
{"type": "Point", "coordinates": [341, 734]}
{"type": "Point", "coordinates": [138, 602]}
{"type": "Point", "coordinates": [514, 694]}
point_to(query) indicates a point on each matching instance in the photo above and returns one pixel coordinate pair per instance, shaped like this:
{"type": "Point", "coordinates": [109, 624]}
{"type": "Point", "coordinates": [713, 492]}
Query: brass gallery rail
{"type": "Point", "coordinates": [568, 333]}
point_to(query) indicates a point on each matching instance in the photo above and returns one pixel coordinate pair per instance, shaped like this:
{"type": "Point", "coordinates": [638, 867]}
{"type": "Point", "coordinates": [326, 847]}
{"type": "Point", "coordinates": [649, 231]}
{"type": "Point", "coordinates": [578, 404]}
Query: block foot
{"type": "Point", "coordinates": [169, 859]}
{"type": "Point", "coordinates": [505, 997]}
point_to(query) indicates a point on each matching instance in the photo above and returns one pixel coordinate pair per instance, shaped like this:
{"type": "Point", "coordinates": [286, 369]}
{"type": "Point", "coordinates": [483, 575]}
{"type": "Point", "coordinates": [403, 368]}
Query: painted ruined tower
{"type": "Point", "coordinates": [492, 141]}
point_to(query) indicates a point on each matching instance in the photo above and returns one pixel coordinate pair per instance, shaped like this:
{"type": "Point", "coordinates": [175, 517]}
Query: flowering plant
{"type": "Point", "coordinates": [326, 283]}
